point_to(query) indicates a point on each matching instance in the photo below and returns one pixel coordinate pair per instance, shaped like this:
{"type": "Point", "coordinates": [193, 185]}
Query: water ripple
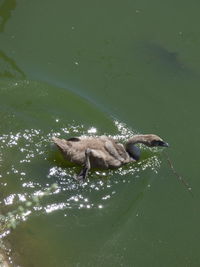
{"type": "Point", "coordinates": [30, 165]}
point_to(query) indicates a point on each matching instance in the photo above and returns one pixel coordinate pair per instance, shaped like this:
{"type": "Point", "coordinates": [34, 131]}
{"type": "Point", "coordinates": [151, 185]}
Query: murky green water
{"type": "Point", "coordinates": [99, 67]}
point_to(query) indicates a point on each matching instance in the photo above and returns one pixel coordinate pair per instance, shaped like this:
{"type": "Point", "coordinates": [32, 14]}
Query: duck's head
{"type": "Point", "coordinates": [153, 140]}
{"type": "Point", "coordinates": [150, 140]}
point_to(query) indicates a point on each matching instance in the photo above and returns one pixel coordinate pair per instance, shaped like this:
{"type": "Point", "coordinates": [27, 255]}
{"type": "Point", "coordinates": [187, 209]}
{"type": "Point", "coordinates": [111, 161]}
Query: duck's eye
{"type": "Point", "coordinates": [156, 143]}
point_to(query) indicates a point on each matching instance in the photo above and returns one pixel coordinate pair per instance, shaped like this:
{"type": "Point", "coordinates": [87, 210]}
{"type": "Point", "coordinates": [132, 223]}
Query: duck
{"type": "Point", "coordinates": [104, 152]}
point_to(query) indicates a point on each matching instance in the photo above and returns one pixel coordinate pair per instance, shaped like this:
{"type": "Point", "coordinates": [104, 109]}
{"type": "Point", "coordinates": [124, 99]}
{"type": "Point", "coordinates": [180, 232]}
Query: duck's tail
{"type": "Point", "coordinates": [61, 143]}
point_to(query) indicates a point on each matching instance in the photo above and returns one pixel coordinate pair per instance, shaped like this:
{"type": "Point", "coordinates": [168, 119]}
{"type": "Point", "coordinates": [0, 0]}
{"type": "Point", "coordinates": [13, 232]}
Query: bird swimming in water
{"type": "Point", "coordinates": [104, 152]}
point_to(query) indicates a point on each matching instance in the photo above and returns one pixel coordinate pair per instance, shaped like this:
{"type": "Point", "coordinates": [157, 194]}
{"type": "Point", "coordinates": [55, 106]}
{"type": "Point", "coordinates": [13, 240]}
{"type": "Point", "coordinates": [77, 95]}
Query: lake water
{"type": "Point", "coordinates": [71, 68]}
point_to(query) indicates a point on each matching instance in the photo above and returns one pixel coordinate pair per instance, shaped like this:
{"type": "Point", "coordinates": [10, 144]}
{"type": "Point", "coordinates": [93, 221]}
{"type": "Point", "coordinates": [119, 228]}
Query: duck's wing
{"type": "Point", "coordinates": [116, 150]}
{"type": "Point", "coordinates": [122, 152]}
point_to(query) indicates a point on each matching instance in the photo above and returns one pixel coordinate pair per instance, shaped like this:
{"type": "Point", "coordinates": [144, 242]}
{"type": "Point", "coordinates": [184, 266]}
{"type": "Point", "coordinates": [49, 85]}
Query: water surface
{"type": "Point", "coordinates": [77, 68]}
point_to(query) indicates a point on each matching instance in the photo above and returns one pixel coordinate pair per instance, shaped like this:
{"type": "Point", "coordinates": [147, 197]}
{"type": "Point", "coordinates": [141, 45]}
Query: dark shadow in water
{"type": "Point", "coordinates": [5, 12]}
{"type": "Point", "coordinates": [10, 69]}
{"type": "Point", "coordinates": [162, 58]}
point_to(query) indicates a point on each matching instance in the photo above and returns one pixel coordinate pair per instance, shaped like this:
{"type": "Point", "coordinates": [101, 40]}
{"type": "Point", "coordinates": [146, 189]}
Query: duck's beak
{"type": "Point", "coordinates": [164, 144]}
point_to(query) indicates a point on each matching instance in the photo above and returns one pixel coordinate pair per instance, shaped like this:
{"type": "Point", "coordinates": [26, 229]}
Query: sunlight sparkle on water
{"type": "Point", "coordinates": [92, 130]}
{"type": "Point", "coordinates": [54, 207]}
{"type": "Point", "coordinates": [9, 200]}
{"type": "Point", "coordinates": [4, 234]}
{"type": "Point", "coordinates": [65, 130]}
{"type": "Point", "coordinates": [29, 184]}
{"type": "Point", "coordinates": [58, 171]}
{"type": "Point", "coordinates": [21, 197]}
{"type": "Point", "coordinates": [124, 131]}
{"type": "Point", "coordinates": [25, 215]}
{"type": "Point", "coordinates": [106, 197]}
{"type": "Point", "coordinates": [32, 143]}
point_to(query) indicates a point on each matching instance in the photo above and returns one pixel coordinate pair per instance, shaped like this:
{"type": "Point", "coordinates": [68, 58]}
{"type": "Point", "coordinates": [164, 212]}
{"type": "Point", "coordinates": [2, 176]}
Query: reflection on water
{"type": "Point", "coordinates": [35, 165]}
{"type": "Point", "coordinates": [166, 60]}
{"type": "Point", "coordinates": [9, 68]}
{"type": "Point", "coordinates": [6, 8]}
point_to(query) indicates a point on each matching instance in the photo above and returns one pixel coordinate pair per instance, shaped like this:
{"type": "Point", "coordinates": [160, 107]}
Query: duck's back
{"type": "Point", "coordinates": [105, 151]}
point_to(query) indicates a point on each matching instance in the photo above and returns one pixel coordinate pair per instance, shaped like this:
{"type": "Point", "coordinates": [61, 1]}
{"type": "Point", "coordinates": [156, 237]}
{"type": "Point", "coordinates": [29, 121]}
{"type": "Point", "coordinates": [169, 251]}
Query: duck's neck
{"type": "Point", "coordinates": [136, 139]}
{"type": "Point", "coordinates": [134, 151]}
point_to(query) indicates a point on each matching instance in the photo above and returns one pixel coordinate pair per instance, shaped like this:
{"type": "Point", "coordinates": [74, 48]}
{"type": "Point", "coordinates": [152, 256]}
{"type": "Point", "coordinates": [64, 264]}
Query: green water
{"type": "Point", "coordinates": [99, 67]}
